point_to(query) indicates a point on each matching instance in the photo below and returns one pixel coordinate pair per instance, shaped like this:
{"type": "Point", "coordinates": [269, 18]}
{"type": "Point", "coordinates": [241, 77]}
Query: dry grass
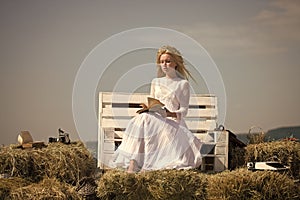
{"type": "Point", "coordinates": [163, 184]}
{"type": "Point", "coordinates": [257, 137]}
{"type": "Point", "coordinates": [287, 152]}
{"type": "Point", "coordinates": [67, 163]}
{"type": "Point", "coordinates": [175, 184]}
{"type": "Point", "coordinates": [236, 157]}
{"type": "Point", "coordinates": [9, 184]}
{"type": "Point", "coordinates": [186, 184]}
{"type": "Point", "coordinates": [52, 173]}
{"type": "Point", "coordinates": [46, 189]}
{"type": "Point", "coordinates": [116, 184]}
{"type": "Point", "coordinates": [243, 185]}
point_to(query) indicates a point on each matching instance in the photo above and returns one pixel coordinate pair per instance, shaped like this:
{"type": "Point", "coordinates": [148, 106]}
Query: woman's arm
{"type": "Point", "coordinates": [152, 89]}
{"type": "Point", "coordinates": [183, 97]}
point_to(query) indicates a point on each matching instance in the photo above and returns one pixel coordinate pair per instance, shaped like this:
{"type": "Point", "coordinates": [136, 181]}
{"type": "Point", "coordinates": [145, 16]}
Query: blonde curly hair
{"type": "Point", "coordinates": [176, 55]}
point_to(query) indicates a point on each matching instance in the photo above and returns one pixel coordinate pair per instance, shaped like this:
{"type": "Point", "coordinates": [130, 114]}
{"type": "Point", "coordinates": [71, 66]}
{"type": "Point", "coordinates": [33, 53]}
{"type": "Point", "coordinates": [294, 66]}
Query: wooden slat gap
{"type": "Point", "coordinates": [198, 106]}
{"type": "Point", "coordinates": [126, 105]}
{"type": "Point", "coordinates": [199, 131]}
{"type": "Point", "coordinates": [201, 118]}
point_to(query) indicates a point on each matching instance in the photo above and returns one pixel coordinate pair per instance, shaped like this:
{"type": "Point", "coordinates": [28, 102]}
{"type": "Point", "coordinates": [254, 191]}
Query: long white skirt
{"type": "Point", "coordinates": [155, 142]}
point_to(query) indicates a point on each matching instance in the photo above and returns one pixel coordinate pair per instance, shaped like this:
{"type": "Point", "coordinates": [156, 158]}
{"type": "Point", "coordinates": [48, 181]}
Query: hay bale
{"type": "Point", "coordinates": [67, 163]}
{"type": "Point", "coordinates": [9, 184]}
{"type": "Point", "coordinates": [240, 184]}
{"type": "Point", "coordinates": [236, 157]}
{"type": "Point", "coordinates": [287, 152]}
{"type": "Point", "coordinates": [14, 161]}
{"type": "Point", "coordinates": [175, 184]}
{"type": "Point", "coordinates": [46, 189]}
{"type": "Point", "coordinates": [243, 184]}
{"type": "Point", "coordinates": [117, 184]}
{"type": "Point", "coordinates": [162, 184]}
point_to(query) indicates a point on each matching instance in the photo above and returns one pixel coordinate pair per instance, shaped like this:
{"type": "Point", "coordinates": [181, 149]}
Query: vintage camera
{"type": "Point", "coordinates": [63, 137]}
{"type": "Point", "coordinates": [53, 139]}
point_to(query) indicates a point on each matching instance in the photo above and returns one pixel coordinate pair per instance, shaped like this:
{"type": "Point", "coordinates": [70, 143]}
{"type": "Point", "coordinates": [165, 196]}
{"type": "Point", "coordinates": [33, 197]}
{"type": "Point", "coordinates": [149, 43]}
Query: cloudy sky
{"type": "Point", "coordinates": [254, 44]}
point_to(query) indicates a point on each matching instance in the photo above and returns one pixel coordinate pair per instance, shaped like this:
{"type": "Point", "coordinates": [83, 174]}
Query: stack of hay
{"type": "Point", "coordinates": [57, 170]}
{"type": "Point", "coordinates": [11, 184]}
{"type": "Point", "coordinates": [59, 165]}
{"type": "Point", "coordinates": [287, 152]}
{"type": "Point", "coordinates": [49, 188]}
{"type": "Point", "coordinates": [187, 184]}
{"type": "Point", "coordinates": [244, 184]}
{"type": "Point", "coordinates": [162, 184]}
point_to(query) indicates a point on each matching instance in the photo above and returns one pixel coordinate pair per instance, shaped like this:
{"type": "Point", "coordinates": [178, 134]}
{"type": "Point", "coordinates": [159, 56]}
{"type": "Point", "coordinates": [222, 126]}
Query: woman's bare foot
{"type": "Point", "coordinates": [132, 168]}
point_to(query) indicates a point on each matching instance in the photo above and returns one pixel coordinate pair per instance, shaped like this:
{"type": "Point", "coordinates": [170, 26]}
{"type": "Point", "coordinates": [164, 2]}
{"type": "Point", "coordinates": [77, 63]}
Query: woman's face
{"type": "Point", "coordinates": [167, 63]}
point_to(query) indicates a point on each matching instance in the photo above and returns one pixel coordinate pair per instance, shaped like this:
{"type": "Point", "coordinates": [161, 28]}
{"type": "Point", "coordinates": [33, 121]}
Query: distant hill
{"type": "Point", "coordinates": [284, 132]}
{"type": "Point", "coordinates": [275, 134]}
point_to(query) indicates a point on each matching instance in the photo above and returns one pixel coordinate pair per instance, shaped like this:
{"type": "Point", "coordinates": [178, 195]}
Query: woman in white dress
{"type": "Point", "coordinates": [161, 140]}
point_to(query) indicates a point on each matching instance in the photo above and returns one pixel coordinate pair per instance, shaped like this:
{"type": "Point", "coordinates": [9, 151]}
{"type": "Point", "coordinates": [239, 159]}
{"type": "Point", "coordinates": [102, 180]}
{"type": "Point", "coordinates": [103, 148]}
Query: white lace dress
{"type": "Point", "coordinates": [156, 142]}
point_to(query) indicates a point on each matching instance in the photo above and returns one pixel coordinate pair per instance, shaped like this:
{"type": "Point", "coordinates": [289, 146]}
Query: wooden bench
{"type": "Point", "coordinates": [116, 109]}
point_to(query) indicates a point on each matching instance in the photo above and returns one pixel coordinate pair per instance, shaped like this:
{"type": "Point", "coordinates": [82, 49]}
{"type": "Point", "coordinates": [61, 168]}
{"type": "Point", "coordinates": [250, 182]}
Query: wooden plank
{"type": "Point", "coordinates": [125, 97]}
{"type": "Point", "coordinates": [120, 112]}
{"type": "Point", "coordinates": [119, 134]}
{"type": "Point", "coordinates": [142, 98]}
{"type": "Point", "coordinates": [202, 113]}
{"type": "Point", "coordinates": [220, 149]}
{"type": "Point", "coordinates": [203, 100]}
{"type": "Point", "coordinates": [100, 134]}
{"type": "Point", "coordinates": [109, 146]}
{"type": "Point", "coordinates": [222, 136]}
{"type": "Point", "coordinates": [109, 134]}
{"type": "Point", "coordinates": [116, 135]}
{"type": "Point", "coordinates": [106, 159]}
{"type": "Point", "coordinates": [114, 123]}
{"type": "Point", "coordinates": [192, 125]}
{"type": "Point", "coordinates": [201, 125]}
{"type": "Point", "coordinates": [220, 163]}
{"type": "Point", "coordinates": [38, 144]}
{"type": "Point", "coordinates": [113, 140]}
{"type": "Point", "coordinates": [131, 112]}
{"type": "Point", "coordinates": [200, 136]}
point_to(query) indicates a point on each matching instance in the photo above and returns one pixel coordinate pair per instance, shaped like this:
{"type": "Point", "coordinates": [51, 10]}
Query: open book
{"type": "Point", "coordinates": [154, 105]}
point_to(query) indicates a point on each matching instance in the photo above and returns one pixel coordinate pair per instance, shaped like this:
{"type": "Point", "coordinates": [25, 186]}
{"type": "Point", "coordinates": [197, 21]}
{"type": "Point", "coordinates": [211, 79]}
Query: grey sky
{"type": "Point", "coordinates": [255, 45]}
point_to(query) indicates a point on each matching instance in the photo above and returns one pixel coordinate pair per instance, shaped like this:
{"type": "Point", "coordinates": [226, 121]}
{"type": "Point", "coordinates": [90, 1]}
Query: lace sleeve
{"type": "Point", "coordinates": [183, 98]}
{"type": "Point", "coordinates": [152, 88]}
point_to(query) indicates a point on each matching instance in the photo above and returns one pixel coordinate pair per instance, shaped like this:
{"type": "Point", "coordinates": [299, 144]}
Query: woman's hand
{"type": "Point", "coordinates": [171, 114]}
{"type": "Point", "coordinates": [143, 105]}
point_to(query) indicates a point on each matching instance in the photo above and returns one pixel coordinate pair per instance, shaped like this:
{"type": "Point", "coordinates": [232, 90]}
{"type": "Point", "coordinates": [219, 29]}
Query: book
{"type": "Point", "coordinates": [154, 105]}
{"type": "Point", "coordinates": [24, 137]}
